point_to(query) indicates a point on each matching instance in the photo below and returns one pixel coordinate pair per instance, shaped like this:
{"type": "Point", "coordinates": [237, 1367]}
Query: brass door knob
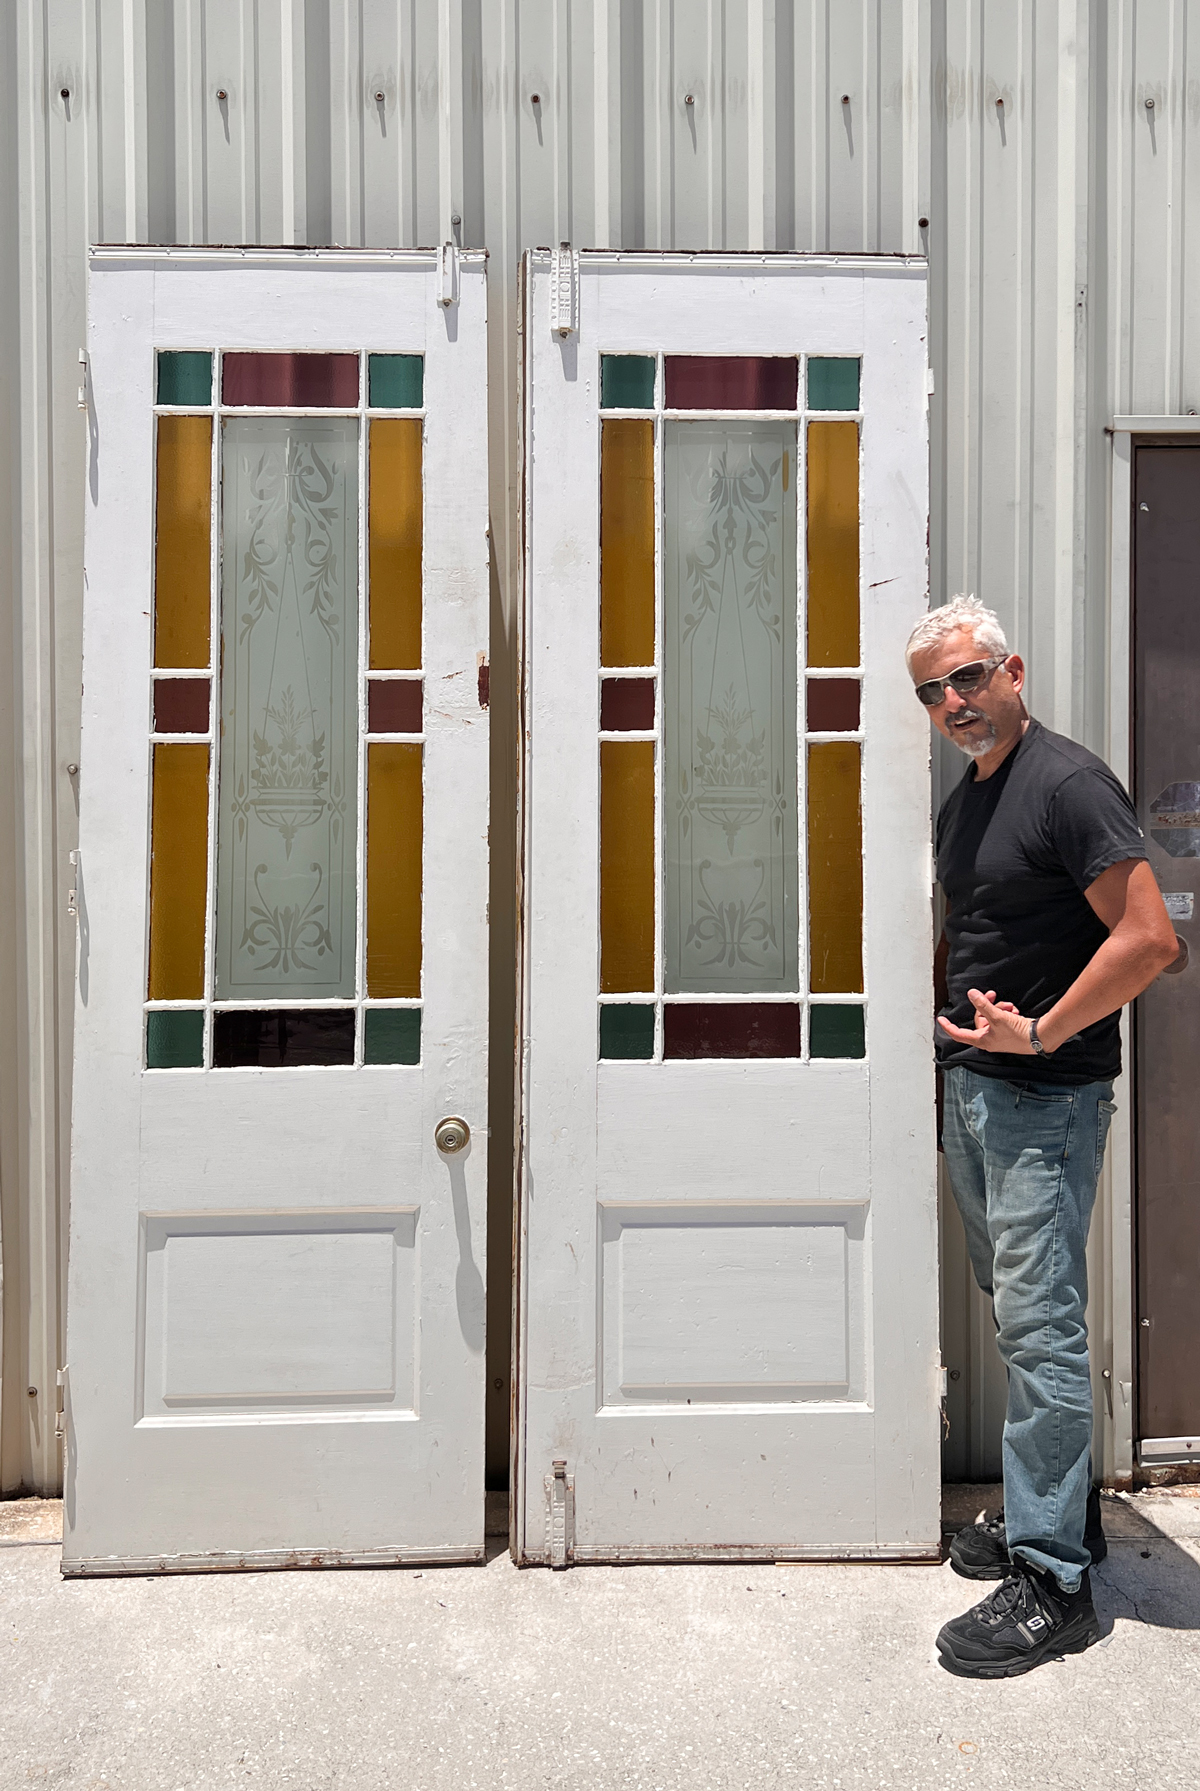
{"type": "Point", "coordinates": [452, 1135]}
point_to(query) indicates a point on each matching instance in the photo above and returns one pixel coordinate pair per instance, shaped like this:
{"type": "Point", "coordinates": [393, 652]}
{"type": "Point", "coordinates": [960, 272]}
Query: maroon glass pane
{"type": "Point", "coordinates": [731, 1029]}
{"type": "Point", "coordinates": [730, 382]}
{"type": "Point", "coordinates": [288, 1038]}
{"type": "Point", "coordinates": [832, 705]}
{"type": "Point", "coordinates": [627, 704]}
{"type": "Point", "coordinates": [394, 706]}
{"type": "Point", "coordinates": [181, 706]}
{"type": "Point", "coordinates": [301, 381]}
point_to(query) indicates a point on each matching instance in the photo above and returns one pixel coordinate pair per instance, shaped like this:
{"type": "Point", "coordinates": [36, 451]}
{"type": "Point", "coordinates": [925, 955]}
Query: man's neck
{"type": "Point", "coordinates": [990, 762]}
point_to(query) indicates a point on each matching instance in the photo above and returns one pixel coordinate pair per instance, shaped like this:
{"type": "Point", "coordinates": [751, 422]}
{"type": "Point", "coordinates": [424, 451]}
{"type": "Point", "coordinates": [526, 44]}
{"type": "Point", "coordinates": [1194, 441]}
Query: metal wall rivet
{"type": "Point", "coordinates": [1149, 105]}
{"type": "Point", "coordinates": [221, 94]}
{"type": "Point", "coordinates": [922, 223]}
{"type": "Point", "coordinates": [689, 99]}
{"type": "Point", "coordinates": [535, 99]}
{"type": "Point", "coordinates": [379, 97]}
{"type": "Point", "coordinates": [32, 1392]}
{"type": "Point", "coordinates": [64, 93]}
{"type": "Point", "coordinates": [72, 771]}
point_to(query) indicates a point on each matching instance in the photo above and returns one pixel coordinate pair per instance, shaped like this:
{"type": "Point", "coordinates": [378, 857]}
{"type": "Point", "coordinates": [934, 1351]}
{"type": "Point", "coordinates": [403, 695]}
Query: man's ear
{"type": "Point", "coordinates": [1016, 671]}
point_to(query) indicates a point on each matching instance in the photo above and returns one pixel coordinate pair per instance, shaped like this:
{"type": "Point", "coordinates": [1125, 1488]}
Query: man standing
{"type": "Point", "coordinates": [1054, 922]}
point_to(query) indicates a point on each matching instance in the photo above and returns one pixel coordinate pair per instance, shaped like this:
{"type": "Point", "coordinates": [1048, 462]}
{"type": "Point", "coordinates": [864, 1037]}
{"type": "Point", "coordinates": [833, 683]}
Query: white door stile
{"type": "Point", "coordinates": [343, 1156]}
{"type": "Point", "coordinates": [723, 1142]}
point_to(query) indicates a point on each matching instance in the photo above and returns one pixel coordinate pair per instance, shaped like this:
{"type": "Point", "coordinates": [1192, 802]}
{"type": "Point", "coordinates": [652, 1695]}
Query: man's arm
{"type": "Point", "coordinates": [1141, 943]}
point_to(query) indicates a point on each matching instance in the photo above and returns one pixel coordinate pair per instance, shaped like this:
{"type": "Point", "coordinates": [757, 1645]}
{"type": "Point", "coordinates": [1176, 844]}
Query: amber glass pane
{"type": "Point", "coordinates": [394, 822]}
{"type": "Point", "coordinates": [394, 706]}
{"type": "Point", "coordinates": [178, 872]}
{"type": "Point", "coordinates": [833, 705]}
{"type": "Point", "coordinates": [730, 382]}
{"type": "Point", "coordinates": [296, 381]}
{"type": "Point", "coordinates": [394, 544]}
{"type": "Point", "coordinates": [833, 544]}
{"type": "Point", "coordinates": [626, 541]}
{"type": "Point", "coordinates": [626, 866]}
{"type": "Point", "coordinates": [731, 1029]}
{"type": "Point", "coordinates": [834, 869]}
{"type": "Point", "coordinates": [182, 574]}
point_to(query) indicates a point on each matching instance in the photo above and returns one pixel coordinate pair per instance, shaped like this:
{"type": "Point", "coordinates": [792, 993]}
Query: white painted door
{"type": "Point", "coordinates": [276, 1301]}
{"type": "Point", "coordinates": [728, 1320]}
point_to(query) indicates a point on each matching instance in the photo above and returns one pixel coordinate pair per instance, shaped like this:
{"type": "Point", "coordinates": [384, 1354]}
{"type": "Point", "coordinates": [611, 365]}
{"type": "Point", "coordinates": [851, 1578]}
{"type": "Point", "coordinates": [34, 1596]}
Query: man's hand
{"type": "Point", "coordinates": [998, 1026]}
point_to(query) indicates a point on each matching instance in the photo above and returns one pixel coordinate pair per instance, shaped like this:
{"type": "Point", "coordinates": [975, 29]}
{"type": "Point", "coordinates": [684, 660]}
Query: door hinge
{"type": "Point", "coordinates": [560, 1516]}
{"type": "Point", "coordinates": [83, 369]}
{"type": "Point", "coordinates": [448, 274]}
{"type": "Point", "coordinates": [1106, 1377]}
{"type": "Point", "coordinates": [943, 1395]}
{"type": "Point", "coordinates": [564, 290]}
{"type": "Point", "coordinates": [73, 892]}
{"type": "Point", "coordinates": [60, 1412]}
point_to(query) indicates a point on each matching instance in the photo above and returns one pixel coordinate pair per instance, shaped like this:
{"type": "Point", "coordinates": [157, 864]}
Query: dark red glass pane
{"type": "Point", "coordinates": [307, 381]}
{"type": "Point", "coordinates": [181, 706]}
{"type": "Point", "coordinates": [832, 705]}
{"type": "Point", "coordinates": [731, 1029]}
{"type": "Point", "coordinates": [288, 1038]}
{"type": "Point", "coordinates": [394, 706]}
{"type": "Point", "coordinates": [627, 704]}
{"type": "Point", "coordinates": [730, 382]}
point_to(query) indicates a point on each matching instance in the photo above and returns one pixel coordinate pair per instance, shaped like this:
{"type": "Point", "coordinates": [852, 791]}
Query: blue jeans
{"type": "Point", "coordinates": [1023, 1159]}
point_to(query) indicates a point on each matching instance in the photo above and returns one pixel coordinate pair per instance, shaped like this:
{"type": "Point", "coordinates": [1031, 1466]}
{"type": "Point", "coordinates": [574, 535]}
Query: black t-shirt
{"type": "Point", "coordinates": [1015, 853]}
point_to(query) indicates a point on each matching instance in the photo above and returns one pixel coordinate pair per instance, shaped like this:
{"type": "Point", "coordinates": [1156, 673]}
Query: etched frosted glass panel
{"type": "Point", "coordinates": [286, 818]}
{"type": "Point", "coordinates": [729, 565]}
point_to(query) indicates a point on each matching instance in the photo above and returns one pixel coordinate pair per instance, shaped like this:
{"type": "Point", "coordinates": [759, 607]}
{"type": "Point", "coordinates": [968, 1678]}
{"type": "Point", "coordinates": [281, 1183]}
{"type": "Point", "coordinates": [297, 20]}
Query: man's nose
{"type": "Point", "coordinates": [953, 701]}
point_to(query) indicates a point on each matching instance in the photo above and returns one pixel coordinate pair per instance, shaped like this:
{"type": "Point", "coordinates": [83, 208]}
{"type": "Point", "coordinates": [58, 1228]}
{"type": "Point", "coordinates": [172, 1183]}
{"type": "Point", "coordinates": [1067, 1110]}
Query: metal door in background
{"type": "Point", "coordinates": [728, 1286]}
{"type": "Point", "coordinates": [1166, 625]}
{"type": "Point", "coordinates": [276, 1299]}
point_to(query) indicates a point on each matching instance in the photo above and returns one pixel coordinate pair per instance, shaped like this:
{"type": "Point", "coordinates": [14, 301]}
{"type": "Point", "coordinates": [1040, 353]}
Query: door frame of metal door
{"type": "Point", "coordinates": [1113, 1245]}
{"type": "Point", "coordinates": [1115, 1269]}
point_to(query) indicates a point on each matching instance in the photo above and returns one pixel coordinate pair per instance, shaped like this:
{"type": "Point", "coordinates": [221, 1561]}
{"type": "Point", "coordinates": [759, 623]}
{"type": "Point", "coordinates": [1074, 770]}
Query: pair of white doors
{"type": "Point", "coordinates": [726, 1306]}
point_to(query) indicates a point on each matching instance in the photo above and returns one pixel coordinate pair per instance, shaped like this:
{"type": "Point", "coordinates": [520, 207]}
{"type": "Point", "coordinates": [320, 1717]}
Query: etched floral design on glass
{"type": "Point", "coordinates": [286, 818]}
{"type": "Point", "coordinates": [730, 828]}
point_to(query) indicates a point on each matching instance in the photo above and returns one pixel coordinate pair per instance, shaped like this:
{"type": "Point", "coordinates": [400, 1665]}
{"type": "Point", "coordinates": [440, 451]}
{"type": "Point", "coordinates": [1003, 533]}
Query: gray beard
{"type": "Point", "coordinates": [975, 749]}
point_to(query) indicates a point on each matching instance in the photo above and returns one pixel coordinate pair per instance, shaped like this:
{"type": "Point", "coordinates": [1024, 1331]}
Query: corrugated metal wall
{"type": "Point", "coordinates": [1057, 200]}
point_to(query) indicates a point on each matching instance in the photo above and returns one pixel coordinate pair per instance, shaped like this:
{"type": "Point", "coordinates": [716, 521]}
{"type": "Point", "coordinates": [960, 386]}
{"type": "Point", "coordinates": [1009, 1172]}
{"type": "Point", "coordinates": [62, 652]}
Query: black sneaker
{"type": "Point", "coordinates": [980, 1552]}
{"type": "Point", "coordinates": [1027, 1620]}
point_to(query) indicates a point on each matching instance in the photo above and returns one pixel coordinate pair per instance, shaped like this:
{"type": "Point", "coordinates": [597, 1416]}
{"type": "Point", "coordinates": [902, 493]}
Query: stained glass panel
{"type": "Point", "coordinates": [626, 866]}
{"type": "Point", "coordinates": [626, 541]}
{"type": "Point", "coordinates": [175, 1039]}
{"type": "Point", "coordinates": [730, 382]}
{"type": "Point", "coordinates": [394, 544]}
{"type": "Point", "coordinates": [182, 570]}
{"type": "Point", "coordinates": [835, 891]}
{"type": "Point", "coordinates": [288, 1038]}
{"type": "Point", "coordinates": [392, 1035]}
{"type": "Point", "coordinates": [730, 826]}
{"type": "Point", "coordinates": [178, 872]}
{"type": "Point", "coordinates": [395, 381]}
{"type": "Point", "coordinates": [395, 805]}
{"type": "Point", "coordinates": [837, 1031]}
{"type": "Point", "coordinates": [626, 1032]}
{"type": "Point", "coordinates": [627, 382]}
{"type": "Point", "coordinates": [627, 705]}
{"type": "Point", "coordinates": [731, 1029]}
{"type": "Point", "coordinates": [185, 377]}
{"type": "Point", "coordinates": [181, 705]}
{"type": "Point", "coordinates": [832, 383]}
{"type": "Point", "coordinates": [832, 544]}
{"type": "Point", "coordinates": [287, 827]}
{"type": "Point", "coordinates": [299, 381]}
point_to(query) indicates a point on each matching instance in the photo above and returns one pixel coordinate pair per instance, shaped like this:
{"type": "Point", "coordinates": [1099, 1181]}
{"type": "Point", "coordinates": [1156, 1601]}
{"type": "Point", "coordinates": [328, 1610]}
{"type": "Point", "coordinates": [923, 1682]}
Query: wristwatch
{"type": "Point", "coordinates": [1035, 1041]}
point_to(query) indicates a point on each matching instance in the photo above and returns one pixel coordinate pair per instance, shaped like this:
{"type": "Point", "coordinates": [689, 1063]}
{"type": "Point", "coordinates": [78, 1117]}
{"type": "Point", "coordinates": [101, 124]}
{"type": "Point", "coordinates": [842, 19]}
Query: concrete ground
{"type": "Point", "coordinates": [599, 1679]}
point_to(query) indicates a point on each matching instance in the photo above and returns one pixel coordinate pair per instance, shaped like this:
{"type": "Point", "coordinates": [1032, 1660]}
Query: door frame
{"type": "Point", "coordinates": [1114, 1254]}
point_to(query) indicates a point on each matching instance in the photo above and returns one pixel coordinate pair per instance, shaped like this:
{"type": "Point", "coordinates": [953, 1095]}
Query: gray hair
{"type": "Point", "coordinates": [958, 614]}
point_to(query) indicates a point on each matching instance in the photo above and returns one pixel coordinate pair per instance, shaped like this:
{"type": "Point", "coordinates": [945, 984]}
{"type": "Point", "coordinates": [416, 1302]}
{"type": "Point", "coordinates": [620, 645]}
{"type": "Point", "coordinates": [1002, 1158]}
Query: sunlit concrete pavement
{"type": "Point", "coordinates": [710, 1678]}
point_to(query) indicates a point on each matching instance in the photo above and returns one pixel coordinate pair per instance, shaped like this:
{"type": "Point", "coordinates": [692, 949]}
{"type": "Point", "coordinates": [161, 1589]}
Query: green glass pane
{"type": "Point", "coordinates": [626, 1031]}
{"type": "Point", "coordinates": [627, 382]}
{"type": "Point", "coordinates": [832, 385]}
{"type": "Point", "coordinates": [185, 378]}
{"type": "Point", "coordinates": [396, 381]}
{"type": "Point", "coordinates": [175, 1039]}
{"type": "Point", "coordinates": [392, 1035]}
{"type": "Point", "coordinates": [837, 1032]}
